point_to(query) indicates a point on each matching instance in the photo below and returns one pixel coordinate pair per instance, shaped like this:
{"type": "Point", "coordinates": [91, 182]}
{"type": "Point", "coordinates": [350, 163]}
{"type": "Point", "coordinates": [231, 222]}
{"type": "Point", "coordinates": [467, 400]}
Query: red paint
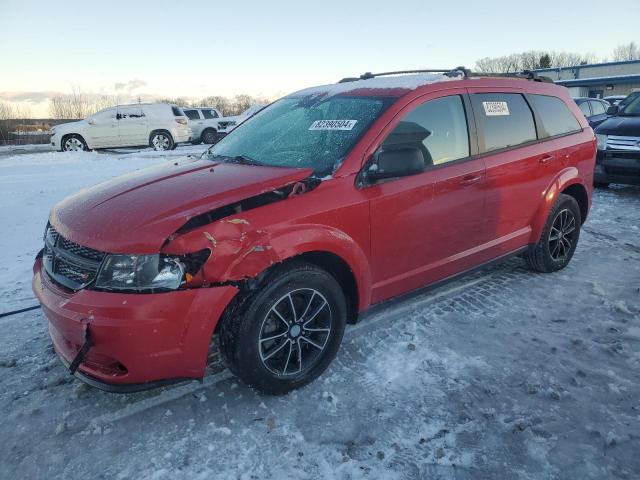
{"type": "Point", "coordinates": [395, 236]}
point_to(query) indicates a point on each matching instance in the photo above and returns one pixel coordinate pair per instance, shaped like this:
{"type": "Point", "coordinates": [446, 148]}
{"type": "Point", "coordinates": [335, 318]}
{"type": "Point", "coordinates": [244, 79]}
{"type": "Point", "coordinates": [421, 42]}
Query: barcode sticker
{"type": "Point", "coordinates": [333, 125]}
{"type": "Point", "coordinates": [492, 109]}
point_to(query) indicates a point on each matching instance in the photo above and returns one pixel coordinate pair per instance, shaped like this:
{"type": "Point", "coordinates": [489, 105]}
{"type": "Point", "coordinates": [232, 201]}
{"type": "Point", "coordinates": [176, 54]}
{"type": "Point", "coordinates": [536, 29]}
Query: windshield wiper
{"type": "Point", "coordinates": [244, 160]}
{"type": "Point", "coordinates": [241, 159]}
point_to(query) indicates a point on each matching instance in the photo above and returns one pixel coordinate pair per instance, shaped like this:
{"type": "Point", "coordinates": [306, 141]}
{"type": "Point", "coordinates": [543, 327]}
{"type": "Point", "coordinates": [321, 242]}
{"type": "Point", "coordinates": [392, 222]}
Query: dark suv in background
{"type": "Point", "coordinates": [594, 109]}
{"type": "Point", "coordinates": [618, 159]}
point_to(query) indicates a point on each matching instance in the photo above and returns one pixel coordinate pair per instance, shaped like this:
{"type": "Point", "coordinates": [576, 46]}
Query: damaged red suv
{"type": "Point", "coordinates": [327, 201]}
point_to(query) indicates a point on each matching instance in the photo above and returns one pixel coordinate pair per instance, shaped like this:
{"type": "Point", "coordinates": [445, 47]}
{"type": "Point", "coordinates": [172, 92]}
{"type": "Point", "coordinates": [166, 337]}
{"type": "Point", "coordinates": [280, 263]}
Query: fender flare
{"type": "Point", "coordinates": [564, 179]}
{"type": "Point", "coordinates": [269, 248]}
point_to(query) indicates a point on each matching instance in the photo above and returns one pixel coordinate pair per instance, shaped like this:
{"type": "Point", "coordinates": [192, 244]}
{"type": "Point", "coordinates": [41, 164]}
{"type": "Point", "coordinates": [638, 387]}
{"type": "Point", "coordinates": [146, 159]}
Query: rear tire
{"type": "Point", "coordinates": [559, 238]}
{"type": "Point", "coordinates": [284, 334]}
{"type": "Point", "coordinates": [161, 141]}
{"type": "Point", "coordinates": [74, 143]}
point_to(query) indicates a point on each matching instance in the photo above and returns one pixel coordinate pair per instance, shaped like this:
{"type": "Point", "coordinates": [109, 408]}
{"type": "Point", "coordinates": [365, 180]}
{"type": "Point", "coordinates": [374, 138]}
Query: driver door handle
{"type": "Point", "coordinates": [470, 179]}
{"type": "Point", "coordinates": [547, 158]}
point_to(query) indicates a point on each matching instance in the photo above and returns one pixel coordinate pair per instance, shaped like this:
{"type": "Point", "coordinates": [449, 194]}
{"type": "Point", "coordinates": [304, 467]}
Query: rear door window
{"type": "Point", "coordinates": [504, 120]}
{"type": "Point", "coordinates": [192, 114]}
{"type": "Point", "coordinates": [584, 107]}
{"type": "Point", "coordinates": [555, 116]}
{"type": "Point", "coordinates": [438, 127]}
{"type": "Point", "coordinates": [598, 108]}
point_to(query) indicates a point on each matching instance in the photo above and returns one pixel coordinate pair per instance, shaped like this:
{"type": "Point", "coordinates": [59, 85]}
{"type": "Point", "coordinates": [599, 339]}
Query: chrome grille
{"type": "Point", "coordinates": [631, 144]}
{"type": "Point", "coordinates": [71, 265]}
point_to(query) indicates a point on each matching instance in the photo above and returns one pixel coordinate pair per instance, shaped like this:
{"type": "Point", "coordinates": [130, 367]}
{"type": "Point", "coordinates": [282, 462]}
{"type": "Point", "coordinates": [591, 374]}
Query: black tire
{"type": "Point", "coordinates": [209, 136]}
{"type": "Point", "coordinates": [559, 238]}
{"type": "Point", "coordinates": [291, 289]}
{"type": "Point", "coordinates": [601, 184]}
{"type": "Point", "coordinates": [73, 143]}
{"type": "Point", "coordinates": [161, 140]}
{"type": "Point", "coordinates": [197, 141]}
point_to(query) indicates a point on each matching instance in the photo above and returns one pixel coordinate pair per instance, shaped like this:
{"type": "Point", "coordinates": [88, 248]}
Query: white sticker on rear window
{"type": "Point", "coordinates": [333, 125]}
{"type": "Point", "coordinates": [495, 108]}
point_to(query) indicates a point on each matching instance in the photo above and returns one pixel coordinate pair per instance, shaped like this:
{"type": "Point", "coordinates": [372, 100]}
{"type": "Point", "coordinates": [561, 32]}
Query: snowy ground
{"type": "Point", "coordinates": [504, 374]}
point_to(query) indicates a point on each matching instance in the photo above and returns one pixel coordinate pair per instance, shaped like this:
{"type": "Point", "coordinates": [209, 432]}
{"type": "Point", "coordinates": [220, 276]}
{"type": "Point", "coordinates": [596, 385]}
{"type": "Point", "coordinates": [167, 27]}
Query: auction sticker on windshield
{"type": "Point", "coordinates": [333, 125]}
{"type": "Point", "coordinates": [495, 108]}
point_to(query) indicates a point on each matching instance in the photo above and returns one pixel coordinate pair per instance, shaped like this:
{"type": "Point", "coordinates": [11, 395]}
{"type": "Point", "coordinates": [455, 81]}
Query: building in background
{"type": "Point", "coordinates": [597, 80]}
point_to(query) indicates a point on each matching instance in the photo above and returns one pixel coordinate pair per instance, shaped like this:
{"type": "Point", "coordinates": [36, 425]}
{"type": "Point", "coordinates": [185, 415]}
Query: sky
{"type": "Point", "coordinates": [269, 48]}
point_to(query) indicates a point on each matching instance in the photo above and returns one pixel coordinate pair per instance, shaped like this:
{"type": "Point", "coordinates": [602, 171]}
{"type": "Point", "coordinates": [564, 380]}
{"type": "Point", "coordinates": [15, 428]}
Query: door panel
{"type": "Point", "coordinates": [102, 129]}
{"type": "Point", "coordinates": [132, 127]}
{"type": "Point", "coordinates": [518, 171]}
{"type": "Point", "coordinates": [425, 227]}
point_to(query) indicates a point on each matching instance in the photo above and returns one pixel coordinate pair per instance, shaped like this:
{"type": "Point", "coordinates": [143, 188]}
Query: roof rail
{"type": "Point", "coordinates": [525, 75]}
{"type": "Point", "coordinates": [449, 72]}
{"type": "Point", "coordinates": [455, 72]}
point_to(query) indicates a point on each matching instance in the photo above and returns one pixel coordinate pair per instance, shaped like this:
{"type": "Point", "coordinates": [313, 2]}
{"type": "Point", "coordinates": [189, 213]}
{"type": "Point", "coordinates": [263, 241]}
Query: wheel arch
{"type": "Point", "coordinates": [569, 182]}
{"type": "Point", "coordinates": [160, 130]}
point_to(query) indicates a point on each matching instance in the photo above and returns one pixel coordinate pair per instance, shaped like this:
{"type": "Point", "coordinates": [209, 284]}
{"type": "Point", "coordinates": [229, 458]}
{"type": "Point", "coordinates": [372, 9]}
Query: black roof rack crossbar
{"type": "Point", "coordinates": [450, 72]}
{"type": "Point", "coordinates": [455, 72]}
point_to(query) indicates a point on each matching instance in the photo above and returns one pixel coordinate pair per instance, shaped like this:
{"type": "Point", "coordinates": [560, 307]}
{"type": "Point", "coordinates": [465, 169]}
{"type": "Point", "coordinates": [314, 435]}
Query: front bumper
{"type": "Point", "coordinates": [617, 167]}
{"type": "Point", "coordinates": [139, 341]}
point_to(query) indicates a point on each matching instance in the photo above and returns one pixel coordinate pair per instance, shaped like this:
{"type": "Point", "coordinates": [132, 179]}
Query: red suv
{"type": "Point", "coordinates": [329, 200]}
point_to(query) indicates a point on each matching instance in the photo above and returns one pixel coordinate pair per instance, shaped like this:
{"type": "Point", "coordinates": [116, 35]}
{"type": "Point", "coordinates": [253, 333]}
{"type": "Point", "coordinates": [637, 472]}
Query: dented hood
{"type": "Point", "coordinates": [135, 213]}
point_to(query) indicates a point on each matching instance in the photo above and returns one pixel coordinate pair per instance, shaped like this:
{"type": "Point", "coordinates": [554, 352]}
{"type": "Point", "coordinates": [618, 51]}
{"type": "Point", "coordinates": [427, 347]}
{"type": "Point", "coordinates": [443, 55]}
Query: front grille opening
{"type": "Point", "coordinates": [69, 264]}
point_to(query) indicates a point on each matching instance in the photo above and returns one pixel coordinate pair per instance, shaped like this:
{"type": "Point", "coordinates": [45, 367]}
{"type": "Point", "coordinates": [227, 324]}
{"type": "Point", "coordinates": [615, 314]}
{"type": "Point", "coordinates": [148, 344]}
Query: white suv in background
{"type": "Point", "coordinates": [158, 125]}
{"type": "Point", "coordinates": [204, 124]}
{"type": "Point", "coordinates": [227, 124]}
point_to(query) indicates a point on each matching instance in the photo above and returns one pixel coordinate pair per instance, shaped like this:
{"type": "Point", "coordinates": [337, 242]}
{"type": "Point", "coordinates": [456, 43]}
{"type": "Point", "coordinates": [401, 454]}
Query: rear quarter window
{"type": "Point", "coordinates": [555, 116]}
{"type": "Point", "coordinates": [504, 120]}
{"type": "Point", "coordinates": [177, 112]}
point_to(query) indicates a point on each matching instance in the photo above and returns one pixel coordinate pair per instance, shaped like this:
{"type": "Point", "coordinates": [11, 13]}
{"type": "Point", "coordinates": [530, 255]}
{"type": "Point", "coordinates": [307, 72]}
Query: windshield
{"type": "Point", "coordinates": [302, 132]}
{"type": "Point", "coordinates": [632, 108]}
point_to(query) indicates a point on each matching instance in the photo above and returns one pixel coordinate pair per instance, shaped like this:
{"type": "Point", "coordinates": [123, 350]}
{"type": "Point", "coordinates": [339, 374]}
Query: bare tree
{"type": "Point", "coordinates": [222, 104]}
{"type": "Point", "coordinates": [629, 51]}
{"type": "Point", "coordinates": [7, 112]}
{"type": "Point", "coordinates": [531, 60]}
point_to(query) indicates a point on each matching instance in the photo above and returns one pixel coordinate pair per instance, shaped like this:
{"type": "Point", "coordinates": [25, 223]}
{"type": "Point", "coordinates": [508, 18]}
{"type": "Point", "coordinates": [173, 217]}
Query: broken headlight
{"type": "Point", "coordinates": [140, 272]}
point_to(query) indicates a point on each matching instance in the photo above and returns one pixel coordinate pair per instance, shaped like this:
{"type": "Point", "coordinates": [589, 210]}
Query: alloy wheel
{"type": "Point", "coordinates": [160, 142]}
{"type": "Point", "coordinates": [73, 144]}
{"type": "Point", "coordinates": [295, 332]}
{"type": "Point", "coordinates": [562, 235]}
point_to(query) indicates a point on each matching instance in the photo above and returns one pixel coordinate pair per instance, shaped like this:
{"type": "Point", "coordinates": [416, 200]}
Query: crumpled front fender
{"type": "Point", "coordinates": [241, 252]}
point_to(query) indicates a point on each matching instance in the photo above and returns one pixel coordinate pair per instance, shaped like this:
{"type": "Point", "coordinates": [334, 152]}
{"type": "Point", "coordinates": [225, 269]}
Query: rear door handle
{"type": "Point", "coordinates": [470, 179]}
{"type": "Point", "coordinates": [547, 158]}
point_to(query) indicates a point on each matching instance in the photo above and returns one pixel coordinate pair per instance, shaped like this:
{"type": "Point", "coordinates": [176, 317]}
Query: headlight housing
{"type": "Point", "coordinates": [140, 272]}
{"type": "Point", "coordinates": [602, 141]}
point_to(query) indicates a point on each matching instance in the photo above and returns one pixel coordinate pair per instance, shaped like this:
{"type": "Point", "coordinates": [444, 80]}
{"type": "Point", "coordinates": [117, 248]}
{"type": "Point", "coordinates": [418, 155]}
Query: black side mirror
{"type": "Point", "coordinates": [613, 110]}
{"type": "Point", "coordinates": [396, 162]}
{"type": "Point", "coordinates": [118, 116]}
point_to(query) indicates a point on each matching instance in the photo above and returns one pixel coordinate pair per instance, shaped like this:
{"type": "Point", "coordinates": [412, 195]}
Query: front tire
{"type": "Point", "coordinates": [209, 137]}
{"type": "Point", "coordinates": [74, 143]}
{"type": "Point", "coordinates": [559, 238]}
{"type": "Point", "coordinates": [161, 141]}
{"type": "Point", "coordinates": [286, 334]}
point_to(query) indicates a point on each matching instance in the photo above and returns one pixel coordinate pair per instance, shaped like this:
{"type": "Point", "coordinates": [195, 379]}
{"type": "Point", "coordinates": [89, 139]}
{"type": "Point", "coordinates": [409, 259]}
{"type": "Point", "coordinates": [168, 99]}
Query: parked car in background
{"type": "Point", "coordinates": [594, 109]}
{"type": "Point", "coordinates": [158, 125]}
{"type": "Point", "coordinates": [227, 124]}
{"type": "Point", "coordinates": [317, 208]}
{"type": "Point", "coordinates": [204, 124]}
{"type": "Point", "coordinates": [618, 159]}
{"type": "Point", "coordinates": [628, 99]}
{"type": "Point", "coordinates": [614, 99]}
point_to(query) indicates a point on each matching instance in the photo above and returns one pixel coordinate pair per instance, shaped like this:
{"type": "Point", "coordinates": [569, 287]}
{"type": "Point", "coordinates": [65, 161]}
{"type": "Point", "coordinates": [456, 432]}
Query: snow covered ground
{"type": "Point", "coordinates": [504, 374]}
